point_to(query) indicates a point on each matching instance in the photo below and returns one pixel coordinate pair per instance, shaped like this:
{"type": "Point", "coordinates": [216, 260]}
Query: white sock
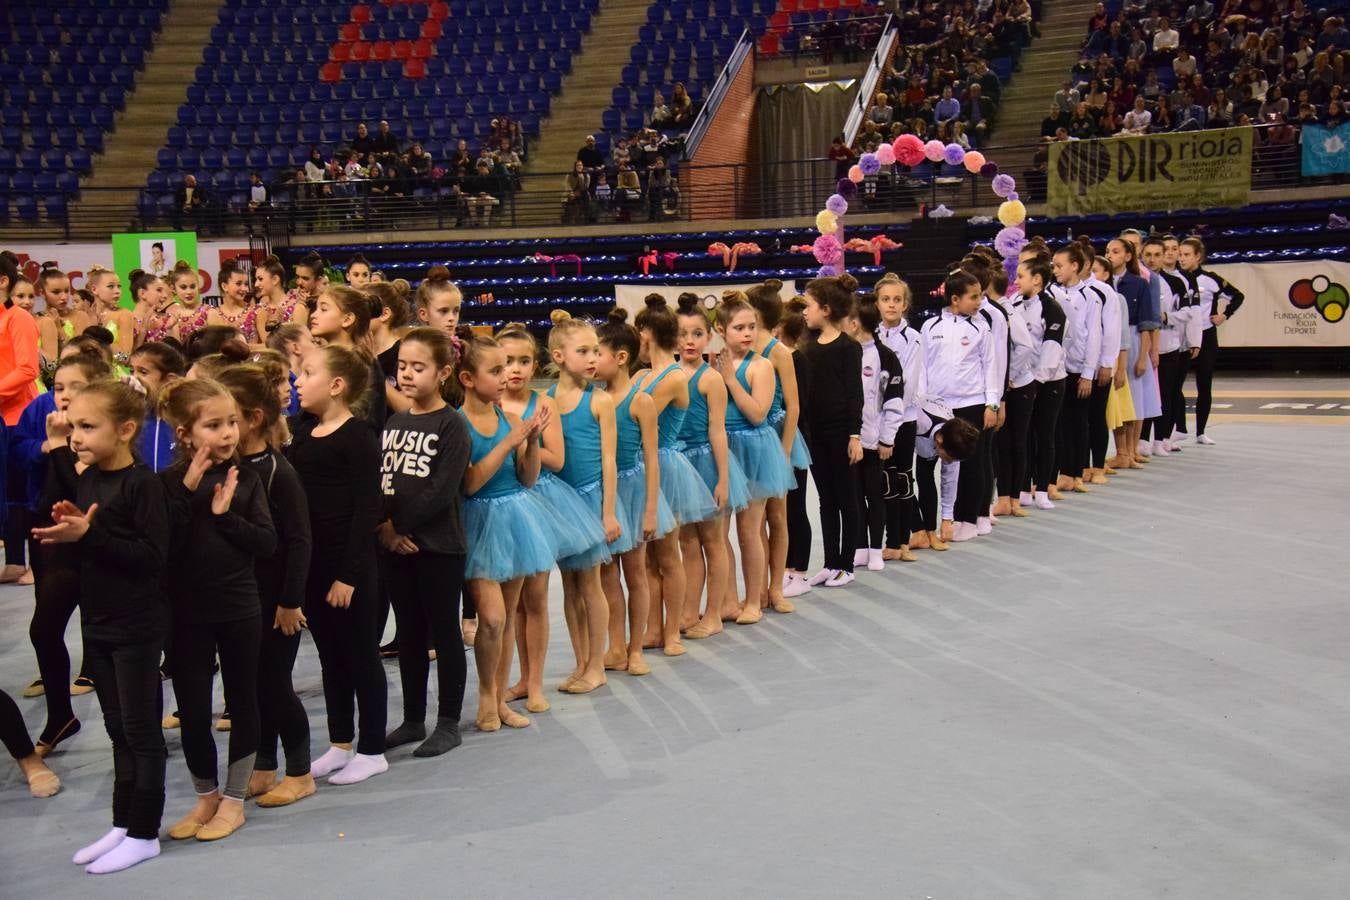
{"type": "Point", "coordinates": [125, 855]}
{"type": "Point", "coordinates": [1043, 501]}
{"type": "Point", "coordinates": [983, 525]}
{"type": "Point", "coordinates": [360, 768]}
{"type": "Point", "coordinates": [860, 556]}
{"type": "Point", "coordinates": [1024, 499]}
{"type": "Point", "coordinates": [964, 531]}
{"type": "Point", "coordinates": [332, 760]}
{"type": "Point", "coordinates": [85, 855]}
{"type": "Point", "coordinates": [875, 561]}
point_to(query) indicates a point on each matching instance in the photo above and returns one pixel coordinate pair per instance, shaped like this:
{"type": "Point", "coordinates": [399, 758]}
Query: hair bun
{"type": "Point", "coordinates": [134, 274]}
{"type": "Point", "coordinates": [235, 350]}
{"type": "Point", "coordinates": [690, 303]}
{"type": "Point", "coordinates": [271, 259]}
{"type": "Point", "coordinates": [464, 332]}
{"type": "Point", "coordinates": [796, 306]}
{"type": "Point", "coordinates": [514, 326]}
{"type": "Point", "coordinates": [773, 284]}
{"type": "Point", "coordinates": [438, 273]}
{"type": "Point", "coordinates": [732, 295]}
{"type": "Point", "coordinates": [848, 282]}
{"type": "Point", "coordinates": [618, 315]}
{"type": "Point", "coordinates": [558, 316]}
{"type": "Point", "coordinates": [402, 286]}
{"type": "Point", "coordinates": [656, 301]}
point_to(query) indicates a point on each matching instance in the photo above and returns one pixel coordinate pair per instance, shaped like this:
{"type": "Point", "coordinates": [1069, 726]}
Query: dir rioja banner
{"type": "Point", "coordinates": [1152, 172]}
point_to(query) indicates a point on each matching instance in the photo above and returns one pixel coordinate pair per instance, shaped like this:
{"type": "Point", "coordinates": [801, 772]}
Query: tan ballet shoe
{"type": "Point", "coordinates": [749, 616]}
{"type": "Point", "coordinates": [1079, 487]}
{"type": "Point", "coordinates": [638, 667]}
{"type": "Point", "coordinates": [782, 605]}
{"type": "Point", "coordinates": [676, 649]}
{"type": "Point", "coordinates": [1055, 494]}
{"type": "Point", "coordinates": [43, 783]}
{"type": "Point", "coordinates": [936, 543]}
{"type": "Point", "coordinates": [221, 826]}
{"type": "Point", "coordinates": [190, 824]}
{"type": "Point", "coordinates": [538, 705]}
{"type": "Point", "coordinates": [289, 790]}
{"type": "Point", "coordinates": [512, 719]}
{"type": "Point", "coordinates": [489, 723]}
{"type": "Point", "coordinates": [1097, 478]}
{"type": "Point", "coordinates": [260, 783]}
{"type": "Point", "coordinates": [906, 555]}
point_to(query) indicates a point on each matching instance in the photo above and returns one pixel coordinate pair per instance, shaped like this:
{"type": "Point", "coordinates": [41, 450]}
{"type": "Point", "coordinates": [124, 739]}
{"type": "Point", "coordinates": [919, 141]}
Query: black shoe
{"type": "Point", "coordinates": [389, 650]}
{"type": "Point", "coordinates": [81, 685]}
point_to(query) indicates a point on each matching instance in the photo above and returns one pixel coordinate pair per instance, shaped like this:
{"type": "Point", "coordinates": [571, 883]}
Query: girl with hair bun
{"type": "Point", "coordinates": [893, 302]}
{"type": "Point", "coordinates": [439, 300]}
{"type": "Point", "coordinates": [235, 309]}
{"type": "Point", "coordinates": [342, 318]}
{"type": "Point", "coordinates": [644, 514]}
{"type": "Point", "coordinates": [705, 546]}
{"type": "Point", "coordinates": [590, 436]}
{"type": "Point", "coordinates": [784, 416]}
{"type": "Point", "coordinates": [390, 315]}
{"type": "Point", "coordinates": [691, 501]}
{"type": "Point", "coordinates": [106, 287]}
{"type": "Point", "coordinates": [154, 315]}
{"type": "Point", "coordinates": [276, 304]}
{"type": "Point", "coordinates": [750, 385]}
{"type": "Point", "coordinates": [192, 312]}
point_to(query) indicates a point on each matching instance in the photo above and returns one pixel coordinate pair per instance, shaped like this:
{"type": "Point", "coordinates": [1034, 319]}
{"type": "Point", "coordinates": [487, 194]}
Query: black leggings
{"type": "Point", "coordinates": [871, 508]}
{"type": "Point", "coordinates": [126, 678]}
{"type": "Point", "coordinates": [280, 712]}
{"type": "Point", "coordinates": [926, 510]}
{"type": "Point", "coordinates": [1179, 394]}
{"type": "Point", "coordinates": [1204, 377]}
{"type": "Point", "coordinates": [973, 489]}
{"type": "Point", "coordinates": [1169, 366]}
{"type": "Point", "coordinates": [349, 657]}
{"type": "Point", "coordinates": [837, 486]}
{"type": "Point", "coordinates": [799, 525]}
{"type": "Point", "coordinates": [195, 646]}
{"type": "Point", "coordinates": [1073, 453]}
{"type": "Point", "coordinates": [1012, 438]}
{"type": "Point", "coordinates": [424, 588]}
{"type": "Point", "coordinates": [56, 594]}
{"type": "Point", "coordinates": [1098, 433]}
{"type": "Point", "coordinates": [13, 731]}
{"type": "Point", "coordinates": [1041, 444]}
{"type": "Point", "coordinates": [900, 513]}
{"type": "Point", "coordinates": [17, 526]}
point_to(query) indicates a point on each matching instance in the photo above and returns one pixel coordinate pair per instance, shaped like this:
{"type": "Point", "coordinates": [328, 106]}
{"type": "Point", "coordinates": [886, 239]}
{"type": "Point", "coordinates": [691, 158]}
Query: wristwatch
{"type": "Point", "coordinates": [993, 406]}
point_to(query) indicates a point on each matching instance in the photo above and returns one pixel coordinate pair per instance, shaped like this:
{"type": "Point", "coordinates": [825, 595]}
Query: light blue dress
{"type": "Point", "coordinates": [689, 498]}
{"type": "Point", "coordinates": [576, 526]}
{"type": "Point", "coordinates": [801, 457]}
{"type": "Point", "coordinates": [698, 450]}
{"type": "Point", "coordinates": [758, 448]}
{"type": "Point", "coordinates": [630, 499]}
{"type": "Point", "coordinates": [584, 471]}
{"type": "Point", "coordinates": [505, 525]}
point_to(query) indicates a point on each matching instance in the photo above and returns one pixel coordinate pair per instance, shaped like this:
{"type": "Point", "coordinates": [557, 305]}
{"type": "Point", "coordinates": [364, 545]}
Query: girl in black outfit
{"type": "Point", "coordinates": [835, 401]}
{"type": "Point", "coordinates": [342, 318]}
{"type": "Point", "coordinates": [425, 455]}
{"type": "Point", "coordinates": [281, 589]}
{"type": "Point", "coordinates": [115, 510]}
{"type": "Point", "coordinates": [221, 525]}
{"type": "Point", "coordinates": [791, 332]}
{"type": "Point", "coordinates": [338, 459]}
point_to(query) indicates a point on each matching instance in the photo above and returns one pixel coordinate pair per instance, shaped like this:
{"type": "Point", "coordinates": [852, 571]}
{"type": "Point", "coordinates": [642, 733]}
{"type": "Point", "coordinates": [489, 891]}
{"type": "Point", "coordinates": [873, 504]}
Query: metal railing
{"type": "Point", "coordinates": [781, 190]}
{"type": "Point", "coordinates": [876, 67]}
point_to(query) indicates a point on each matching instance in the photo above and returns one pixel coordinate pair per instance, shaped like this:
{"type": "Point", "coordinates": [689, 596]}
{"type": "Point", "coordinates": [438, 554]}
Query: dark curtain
{"type": "Point", "coordinates": [797, 122]}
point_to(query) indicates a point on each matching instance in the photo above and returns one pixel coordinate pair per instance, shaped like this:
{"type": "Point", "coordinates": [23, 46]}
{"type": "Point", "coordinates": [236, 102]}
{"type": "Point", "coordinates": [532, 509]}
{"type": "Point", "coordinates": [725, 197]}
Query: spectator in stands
{"type": "Point", "coordinates": [363, 144]}
{"type": "Point", "coordinates": [1095, 97]}
{"type": "Point", "coordinates": [1109, 41]}
{"type": "Point", "coordinates": [843, 156]}
{"type": "Point", "coordinates": [1184, 64]}
{"type": "Point", "coordinates": [1335, 114]}
{"type": "Point", "coordinates": [190, 202]}
{"type": "Point", "coordinates": [619, 156]}
{"type": "Point", "coordinates": [481, 194]}
{"type": "Point", "coordinates": [681, 106]}
{"type": "Point", "coordinates": [1111, 121]}
{"type": "Point", "coordinates": [461, 163]}
{"type": "Point", "coordinates": [576, 195]}
{"type": "Point", "coordinates": [984, 76]}
{"type": "Point", "coordinates": [603, 192]}
{"type": "Point", "coordinates": [1305, 52]}
{"type": "Point", "coordinates": [1122, 94]}
{"type": "Point", "coordinates": [1083, 125]}
{"type": "Point", "coordinates": [316, 170]}
{"type": "Point", "coordinates": [1099, 19]}
{"type": "Point", "coordinates": [1162, 118]}
{"type": "Point", "coordinates": [384, 142]}
{"type": "Point", "coordinates": [1152, 88]}
{"type": "Point", "coordinates": [1219, 113]}
{"type": "Point", "coordinates": [947, 109]}
{"type": "Point", "coordinates": [1275, 105]}
{"type": "Point", "coordinates": [1067, 97]}
{"type": "Point", "coordinates": [659, 183]}
{"type": "Point", "coordinates": [882, 113]}
{"type": "Point", "coordinates": [1194, 36]}
{"type": "Point", "coordinates": [1053, 122]}
{"type": "Point", "coordinates": [627, 192]}
{"type": "Point", "coordinates": [978, 113]}
{"type": "Point", "coordinates": [1137, 120]}
{"type": "Point", "coordinates": [508, 159]}
{"type": "Point", "coordinates": [1200, 11]}
{"type": "Point", "coordinates": [257, 192]}
{"type": "Point", "coordinates": [1189, 115]}
{"type": "Point", "coordinates": [591, 159]}
{"type": "Point", "coordinates": [660, 116]}
{"type": "Point", "coordinates": [1166, 38]}
{"type": "Point", "coordinates": [420, 162]}
{"type": "Point", "coordinates": [1333, 35]}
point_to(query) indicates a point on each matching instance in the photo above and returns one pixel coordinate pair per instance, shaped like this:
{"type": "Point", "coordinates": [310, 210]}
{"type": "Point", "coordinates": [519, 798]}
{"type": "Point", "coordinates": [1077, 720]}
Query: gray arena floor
{"type": "Point", "coordinates": [1141, 694]}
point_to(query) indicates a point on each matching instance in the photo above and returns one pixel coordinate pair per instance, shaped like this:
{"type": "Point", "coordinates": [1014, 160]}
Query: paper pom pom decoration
{"type": "Point", "coordinates": [1012, 196]}
{"type": "Point", "coordinates": [934, 150]}
{"type": "Point", "coordinates": [1003, 185]}
{"type": "Point", "coordinates": [869, 164]}
{"type": "Point", "coordinates": [908, 150]}
{"type": "Point", "coordinates": [827, 250]}
{"type": "Point", "coordinates": [886, 155]}
{"type": "Point", "coordinates": [827, 222]}
{"type": "Point", "coordinates": [1012, 212]}
{"type": "Point", "coordinates": [953, 154]}
{"type": "Point", "coordinates": [845, 188]}
{"type": "Point", "coordinates": [837, 204]}
{"type": "Point", "coordinates": [974, 161]}
{"type": "Point", "coordinates": [1010, 241]}
{"type": "Point", "coordinates": [855, 174]}
{"type": "Point", "coordinates": [827, 272]}
{"type": "Point", "coordinates": [989, 170]}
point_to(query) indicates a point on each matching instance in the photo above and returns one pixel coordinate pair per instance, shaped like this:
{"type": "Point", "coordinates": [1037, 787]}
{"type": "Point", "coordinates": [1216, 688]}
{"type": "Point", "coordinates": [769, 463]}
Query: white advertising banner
{"type": "Point", "coordinates": [76, 258]}
{"type": "Point", "coordinates": [1289, 304]}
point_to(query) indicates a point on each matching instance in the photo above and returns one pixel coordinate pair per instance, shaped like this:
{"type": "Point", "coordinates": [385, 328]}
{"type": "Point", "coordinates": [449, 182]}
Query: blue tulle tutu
{"type": "Point", "coordinates": [593, 498]}
{"type": "Point", "coordinates": [801, 457]}
{"type": "Point", "coordinates": [689, 498]}
{"type": "Point", "coordinates": [508, 537]}
{"type": "Point", "coordinates": [760, 454]}
{"type": "Point", "coordinates": [575, 526]}
{"type": "Point", "coordinates": [630, 504]}
{"type": "Point", "coordinates": [738, 489]}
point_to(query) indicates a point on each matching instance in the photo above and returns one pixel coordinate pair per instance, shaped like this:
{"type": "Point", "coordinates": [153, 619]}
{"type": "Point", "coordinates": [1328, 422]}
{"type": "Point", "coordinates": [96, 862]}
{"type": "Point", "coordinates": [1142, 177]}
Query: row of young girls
{"type": "Point", "coordinates": [462, 473]}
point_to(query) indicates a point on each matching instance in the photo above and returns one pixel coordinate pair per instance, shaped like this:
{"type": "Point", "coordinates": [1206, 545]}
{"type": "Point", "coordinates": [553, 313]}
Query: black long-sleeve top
{"type": "Point", "coordinates": [281, 575]}
{"type": "Point", "coordinates": [422, 465]}
{"type": "Point", "coordinates": [835, 398]}
{"type": "Point", "coordinates": [341, 477]}
{"type": "Point", "coordinates": [803, 370]}
{"type": "Point", "coordinates": [212, 557]}
{"type": "Point", "coordinates": [122, 557]}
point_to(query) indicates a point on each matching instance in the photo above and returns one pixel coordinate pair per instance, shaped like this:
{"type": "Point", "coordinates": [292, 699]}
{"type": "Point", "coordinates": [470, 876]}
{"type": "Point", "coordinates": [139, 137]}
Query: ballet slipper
{"type": "Point", "coordinates": [291, 789]}
{"type": "Point", "coordinates": [637, 666]}
{"type": "Point", "coordinates": [203, 812]}
{"type": "Point", "coordinates": [42, 781]}
{"type": "Point", "coordinates": [515, 692]}
{"type": "Point", "coordinates": [891, 555]}
{"type": "Point", "coordinates": [702, 631]}
{"type": "Point", "coordinates": [1079, 488]}
{"type": "Point", "coordinates": [12, 574]}
{"type": "Point", "coordinates": [261, 782]}
{"type": "Point", "coordinates": [1056, 494]}
{"type": "Point", "coordinates": [935, 542]}
{"type": "Point", "coordinates": [782, 605]}
{"type": "Point", "coordinates": [617, 661]}
{"type": "Point", "coordinates": [568, 680]}
{"type": "Point", "coordinates": [44, 747]}
{"type": "Point", "coordinates": [228, 819]}
{"type": "Point", "coordinates": [749, 616]}
{"type": "Point", "coordinates": [1097, 478]}
{"type": "Point", "coordinates": [919, 541]}
{"type": "Point", "coordinates": [672, 649]}
{"type": "Point", "coordinates": [489, 723]}
{"type": "Point", "coordinates": [1063, 483]}
{"type": "Point", "coordinates": [537, 705]}
{"type": "Point", "coordinates": [652, 643]}
{"type": "Point", "coordinates": [907, 555]}
{"type": "Point", "coordinates": [512, 719]}
{"type": "Point", "coordinates": [581, 686]}
{"type": "Point", "coordinates": [948, 529]}
{"type": "Point", "coordinates": [1002, 508]}
{"type": "Point", "coordinates": [1134, 464]}
{"type": "Point", "coordinates": [728, 615]}
{"type": "Point", "coordinates": [26, 578]}
{"type": "Point", "coordinates": [1018, 512]}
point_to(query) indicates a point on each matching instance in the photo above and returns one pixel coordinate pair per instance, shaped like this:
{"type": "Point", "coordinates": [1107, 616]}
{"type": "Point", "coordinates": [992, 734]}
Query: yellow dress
{"type": "Point", "coordinates": [1119, 406]}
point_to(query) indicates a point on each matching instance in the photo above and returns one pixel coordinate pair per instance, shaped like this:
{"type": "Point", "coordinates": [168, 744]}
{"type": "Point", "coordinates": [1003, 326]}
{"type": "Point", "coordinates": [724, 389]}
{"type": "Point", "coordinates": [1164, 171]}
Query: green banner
{"type": "Point", "coordinates": [1152, 172]}
{"type": "Point", "coordinates": [154, 252]}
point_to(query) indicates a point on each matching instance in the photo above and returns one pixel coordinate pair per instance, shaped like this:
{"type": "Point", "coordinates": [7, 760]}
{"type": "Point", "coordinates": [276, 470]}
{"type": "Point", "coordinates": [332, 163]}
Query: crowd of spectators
{"type": "Point", "coordinates": [1163, 66]}
{"type": "Point", "coordinates": [636, 176]}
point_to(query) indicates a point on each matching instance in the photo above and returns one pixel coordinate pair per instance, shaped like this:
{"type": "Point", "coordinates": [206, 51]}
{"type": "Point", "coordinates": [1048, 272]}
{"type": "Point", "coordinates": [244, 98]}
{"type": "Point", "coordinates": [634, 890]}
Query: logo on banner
{"type": "Point", "coordinates": [1329, 298]}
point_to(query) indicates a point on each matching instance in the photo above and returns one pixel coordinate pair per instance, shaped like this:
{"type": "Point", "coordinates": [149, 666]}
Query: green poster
{"type": "Point", "coordinates": [153, 251]}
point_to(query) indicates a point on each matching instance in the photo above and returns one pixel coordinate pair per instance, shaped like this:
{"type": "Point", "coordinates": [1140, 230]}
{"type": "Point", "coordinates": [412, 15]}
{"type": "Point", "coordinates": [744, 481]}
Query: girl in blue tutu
{"type": "Point", "coordinates": [644, 515]}
{"type": "Point", "coordinates": [689, 498]}
{"type": "Point", "coordinates": [574, 523]}
{"type": "Point", "coordinates": [505, 525]}
{"type": "Point", "coordinates": [784, 416]}
{"type": "Point", "coordinates": [589, 439]}
{"type": "Point", "coordinates": [750, 385]}
{"type": "Point", "coordinates": [705, 546]}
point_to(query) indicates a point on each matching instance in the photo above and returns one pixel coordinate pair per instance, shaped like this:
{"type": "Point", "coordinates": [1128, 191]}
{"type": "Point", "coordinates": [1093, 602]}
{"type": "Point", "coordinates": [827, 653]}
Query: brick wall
{"type": "Point", "coordinates": [717, 193]}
